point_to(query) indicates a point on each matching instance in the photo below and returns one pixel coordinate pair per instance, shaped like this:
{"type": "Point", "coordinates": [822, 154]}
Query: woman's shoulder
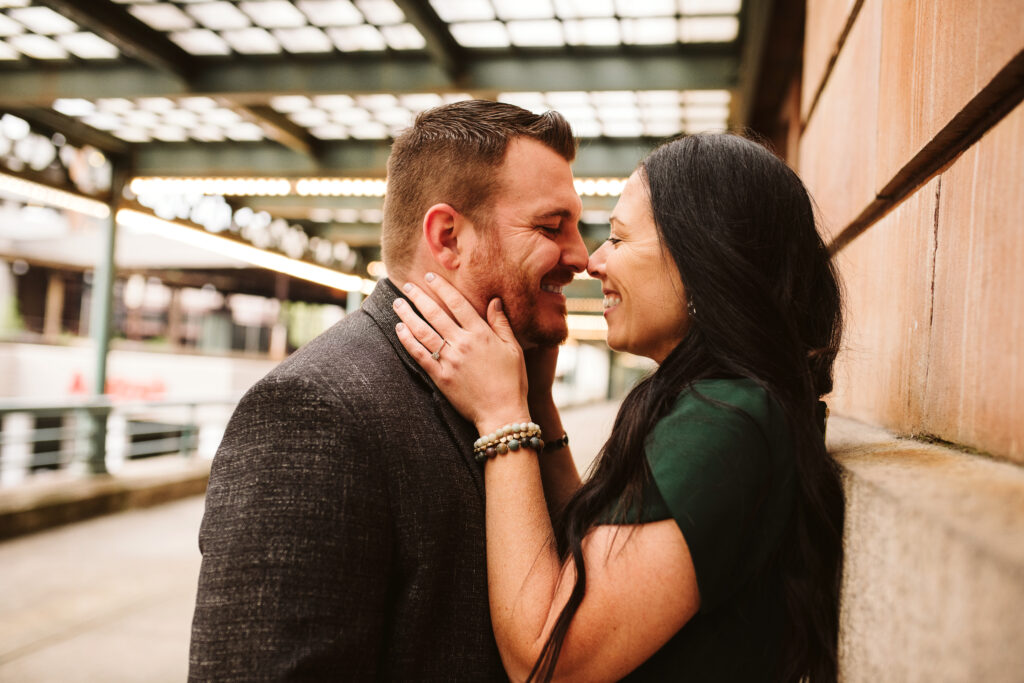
{"type": "Point", "coordinates": [728, 401]}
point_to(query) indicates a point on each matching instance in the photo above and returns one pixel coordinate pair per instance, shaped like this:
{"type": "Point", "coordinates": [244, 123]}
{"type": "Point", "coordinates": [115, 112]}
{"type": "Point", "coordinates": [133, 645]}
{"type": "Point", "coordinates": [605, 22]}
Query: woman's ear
{"type": "Point", "coordinates": [442, 229]}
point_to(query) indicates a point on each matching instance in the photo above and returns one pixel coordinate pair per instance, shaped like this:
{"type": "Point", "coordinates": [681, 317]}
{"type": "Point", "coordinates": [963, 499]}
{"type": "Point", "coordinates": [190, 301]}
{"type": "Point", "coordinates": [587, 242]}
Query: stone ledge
{"type": "Point", "coordinates": [35, 506]}
{"type": "Point", "coordinates": [933, 576]}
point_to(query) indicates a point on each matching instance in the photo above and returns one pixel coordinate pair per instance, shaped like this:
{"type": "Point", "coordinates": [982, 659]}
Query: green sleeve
{"type": "Point", "coordinates": [723, 464]}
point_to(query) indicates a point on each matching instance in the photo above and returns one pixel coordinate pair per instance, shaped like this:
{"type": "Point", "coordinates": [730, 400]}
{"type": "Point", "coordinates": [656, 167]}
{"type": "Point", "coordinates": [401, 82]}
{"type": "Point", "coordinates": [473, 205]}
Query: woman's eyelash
{"type": "Point", "coordinates": [614, 240]}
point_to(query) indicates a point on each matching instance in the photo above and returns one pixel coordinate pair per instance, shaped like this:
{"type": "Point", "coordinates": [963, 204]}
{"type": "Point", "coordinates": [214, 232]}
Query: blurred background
{"type": "Point", "coordinates": [192, 189]}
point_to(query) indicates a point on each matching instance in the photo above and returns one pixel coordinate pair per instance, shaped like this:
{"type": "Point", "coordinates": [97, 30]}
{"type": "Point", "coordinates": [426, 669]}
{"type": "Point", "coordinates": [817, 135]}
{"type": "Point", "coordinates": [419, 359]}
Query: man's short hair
{"type": "Point", "coordinates": [450, 155]}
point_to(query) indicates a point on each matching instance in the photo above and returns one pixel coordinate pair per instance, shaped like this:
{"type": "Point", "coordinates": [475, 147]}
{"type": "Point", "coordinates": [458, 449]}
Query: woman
{"type": "Point", "coordinates": [706, 544]}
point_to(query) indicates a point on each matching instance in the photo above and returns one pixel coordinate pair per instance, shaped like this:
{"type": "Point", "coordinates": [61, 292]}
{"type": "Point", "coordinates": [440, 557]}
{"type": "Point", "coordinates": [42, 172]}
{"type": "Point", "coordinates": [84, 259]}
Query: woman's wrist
{"type": "Point", "coordinates": [492, 423]}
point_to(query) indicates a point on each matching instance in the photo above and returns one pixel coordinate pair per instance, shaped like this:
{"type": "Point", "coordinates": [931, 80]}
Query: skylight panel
{"type": "Point", "coordinates": [333, 102]}
{"type": "Point", "coordinates": [586, 129]}
{"type": "Point", "coordinates": [536, 33]}
{"type": "Point", "coordinates": [357, 38]}
{"type": "Point", "coordinates": [650, 31]}
{"type": "Point", "coordinates": [708, 29]}
{"type": "Point", "coordinates": [9, 27]}
{"type": "Point", "coordinates": [622, 129]}
{"type": "Point", "coordinates": [200, 41]}
{"type": "Point", "coordinates": [377, 101]}
{"type": "Point", "coordinates": [420, 101]}
{"type": "Point", "coordinates": [303, 40]}
{"type": "Point", "coordinates": [618, 113]}
{"type": "Point", "coordinates": [157, 104]}
{"type": "Point", "coordinates": [182, 117]}
{"type": "Point", "coordinates": [114, 104]}
{"type": "Point", "coordinates": [403, 37]}
{"type": "Point", "coordinates": [480, 34]}
{"type": "Point", "coordinates": [613, 98]}
{"type": "Point", "coordinates": [568, 98]}
{"type": "Point", "coordinates": [396, 117]}
{"type": "Point", "coordinates": [198, 104]}
{"type": "Point", "coordinates": [646, 8]}
{"type": "Point", "coordinates": [140, 118]}
{"type": "Point", "coordinates": [252, 41]}
{"type": "Point", "coordinates": [331, 131]}
{"type": "Point", "coordinates": [170, 134]}
{"type": "Point", "coordinates": [592, 32]}
{"type": "Point", "coordinates": [662, 112]}
{"type": "Point", "coordinates": [287, 104]}
{"type": "Point", "coordinates": [275, 14]}
{"type": "Point", "coordinates": [133, 135]}
{"type": "Point", "coordinates": [163, 17]}
{"type": "Point", "coordinates": [452, 11]}
{"type": "Point", "coordinates": [43, 20]}
{"type": "Point", "coordinates": [369, 131]}
{"type": "Point", "coordinates": [102, 121]}
{"type": "Point", "coordinates": [207, 133]}
{"type": "Point", "coordinates": [662, 128]}
{"type": "Point", "coordinates": [221, 117]}
{"type": "Point", "coordinates": [8, 53]}
{"type": "Point", "coordinates": [658, 97]}
{"type": "Point", "coordinates": [451, 97]}
{"type": "Point", "coordinates": [351, 116]}
{"type": "Point", "coordinates": [707, 97]}
{"type": "Point", "coordinates": [37, 47]}
{"type": "Point", "coordinates": [218, 16]}
{"type": "Point", "coordinates": [73, 106]}
{"type": "Point", "coordinates": [15, 3]}
{"type": "Point", "coordinates": [707, 111]}
{"type": "Point", "coordinates": [381, 12]}
{"type": "Point", "coordinates": [331, 12]}
{"type": "Point", "coordinates": [583, 9]}
{"type": "Point", "coordinates": [709, 6]}
{"type": "Point", "coordinates": [87, 45]}
{"type": "Point", "coordinates": [524, 9]}
{"type": "Point", "coordinates": [310, 117]}
{"type": "Point", "coordinates": [245, 132]}
{"type": "Point", "coordinates": [533, 101]}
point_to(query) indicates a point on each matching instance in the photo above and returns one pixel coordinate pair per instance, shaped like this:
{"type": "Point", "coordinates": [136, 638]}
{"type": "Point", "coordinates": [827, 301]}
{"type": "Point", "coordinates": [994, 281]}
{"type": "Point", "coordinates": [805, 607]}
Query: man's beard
{"type": "Point", "coordinates": [496, 276]}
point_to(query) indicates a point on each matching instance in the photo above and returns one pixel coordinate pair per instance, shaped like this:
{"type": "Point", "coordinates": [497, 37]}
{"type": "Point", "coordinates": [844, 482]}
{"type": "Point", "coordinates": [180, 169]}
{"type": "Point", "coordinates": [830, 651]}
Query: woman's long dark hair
{"type": "Point", "coordinates": [740, 227]}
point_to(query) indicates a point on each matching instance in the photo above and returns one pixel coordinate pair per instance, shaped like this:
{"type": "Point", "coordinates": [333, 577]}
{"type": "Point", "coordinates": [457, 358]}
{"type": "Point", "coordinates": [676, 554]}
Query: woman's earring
{"type": "Point", "coordinates": [691, 309]}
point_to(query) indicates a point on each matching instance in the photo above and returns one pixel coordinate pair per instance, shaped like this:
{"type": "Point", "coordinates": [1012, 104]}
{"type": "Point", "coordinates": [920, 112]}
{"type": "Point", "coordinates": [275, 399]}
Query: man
{"type": "Point", "coordinates": [344, 530]}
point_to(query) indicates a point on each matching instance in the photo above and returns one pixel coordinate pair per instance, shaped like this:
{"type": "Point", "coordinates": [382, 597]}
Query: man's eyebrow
{"type": "Point", "coordinates": [555, 213]}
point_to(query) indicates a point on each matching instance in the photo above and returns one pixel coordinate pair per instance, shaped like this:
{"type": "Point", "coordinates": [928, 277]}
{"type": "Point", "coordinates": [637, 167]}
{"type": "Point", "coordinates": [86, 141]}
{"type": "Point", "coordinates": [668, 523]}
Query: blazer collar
{"type": "Point", "coordinates": [380, 307]}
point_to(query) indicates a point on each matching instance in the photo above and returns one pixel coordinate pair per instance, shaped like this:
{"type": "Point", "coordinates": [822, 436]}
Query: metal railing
{"type": "Point", "coordinates": [97, 435]}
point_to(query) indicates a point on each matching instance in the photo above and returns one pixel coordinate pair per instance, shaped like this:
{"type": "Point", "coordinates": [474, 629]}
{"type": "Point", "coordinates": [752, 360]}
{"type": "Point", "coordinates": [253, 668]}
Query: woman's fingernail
{"type": "Point", "coordinates": [400, 326]}
{"type": "Point", "coordinates": [429, 277]}
{"type": "Point", "coordinates": [407, 287]}
{"type": "Point", "coordinates": [399, 302]}
{"type": "Point", "coordinates": [497, 305]}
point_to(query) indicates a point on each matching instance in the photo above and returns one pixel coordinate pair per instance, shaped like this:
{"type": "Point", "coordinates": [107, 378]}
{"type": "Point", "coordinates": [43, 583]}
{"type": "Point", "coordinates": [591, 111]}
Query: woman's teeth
{"type": "Point", "coordinates": [554, 289]}
{"type": "Point", "coordinates": [612, 300]}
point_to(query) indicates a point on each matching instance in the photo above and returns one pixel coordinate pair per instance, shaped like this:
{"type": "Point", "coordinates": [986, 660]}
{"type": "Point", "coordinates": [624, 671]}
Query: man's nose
{"type": "Point", "coordinates": [574, 254]}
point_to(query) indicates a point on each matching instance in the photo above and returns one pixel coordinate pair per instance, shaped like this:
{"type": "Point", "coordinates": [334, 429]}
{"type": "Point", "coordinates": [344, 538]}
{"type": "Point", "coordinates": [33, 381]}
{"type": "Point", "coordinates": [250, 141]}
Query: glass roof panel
{"type": "Point", "coordinates": [649, 31]}
{"type": "Point", "coordinates": [252, 41]}
{"type": "Point", "coordinates": [381, 12]}
{"type": "Point", "coordinates": [289, 103]}
{"type": "Point", "coordinates": [369, 131]}
{"type": "Point", "coordinates": [274, 13]}
{"type": "Point", "coordinates": [245, 131]}
{"type": "Point", "coordinates": [333, 102]}
{"type": "Point", "coordinates": [403, 37]}
{"type": "Point", "coordinates": [647, 8]}
{"type": "Point", "coordinates": [356, 38]}
{"type": "Point", "coordinates": [37, 47]}
{"type": "Point", "coordinates": [201, 41]}
{"type": "Point", "coordinates": [198, 103]}
{"type": "Point", "coordinates": [7, 52]}
{"type": "Point", "coordinates": [331, 12]}
{"type": "Point", "coordinates": [536, 33]}
{"type": "Point", "coordinates": [42, 20]}
{"type": "Point", "coordinates": [87, 45]}
{"type": "Point", "coordinates": [9, 27]}
{"type": "Point", "coordinates": [480, 34]}
{"type": "Point", "coordinates": [306, 39]}
{"type": "Point", "coordinates": [709, 6]}
{"type": "Point", "coordinates": [592, 32]}
{"type": "Point", "coordinates": [463, 10]}
{"type": "Point", "coordinates": [163, 17]}
{"type": "Point", "coordinates": [331, 131]}
{"type": "Point", "coordinates": [74, 106]}
{"type": "Point", "coordinates": [708, 29]}
{"type": "Point", "coordinates": [218, 15]}
{"type": "Point", "coordinates": [581, 9]}
{"type": "Point", "coordinates": [523, 9]}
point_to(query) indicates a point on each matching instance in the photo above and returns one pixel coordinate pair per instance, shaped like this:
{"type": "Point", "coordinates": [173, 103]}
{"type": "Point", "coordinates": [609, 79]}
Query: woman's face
{"type": "Point", "coordinates": [644, 299]}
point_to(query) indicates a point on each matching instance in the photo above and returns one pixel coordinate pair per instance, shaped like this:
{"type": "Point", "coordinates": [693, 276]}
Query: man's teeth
{"type": "Point", "coordinates": [612, 300]}
{"type": "Point", "coordinates": [554, 289]}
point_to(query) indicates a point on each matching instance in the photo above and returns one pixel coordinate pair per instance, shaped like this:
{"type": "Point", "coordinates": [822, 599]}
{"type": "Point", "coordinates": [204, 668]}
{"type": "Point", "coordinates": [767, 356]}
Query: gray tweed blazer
{"type": "Point", "coordinates": [343, 537]}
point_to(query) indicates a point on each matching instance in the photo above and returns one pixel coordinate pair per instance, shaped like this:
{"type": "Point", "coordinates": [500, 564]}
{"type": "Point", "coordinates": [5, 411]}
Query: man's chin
{"type": "Point", "coordinates": [533, 337]}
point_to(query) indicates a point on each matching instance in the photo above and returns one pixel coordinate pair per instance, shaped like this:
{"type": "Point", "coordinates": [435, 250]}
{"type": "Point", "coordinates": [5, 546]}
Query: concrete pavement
{"type": "Point", "coordinates": [110, 599]}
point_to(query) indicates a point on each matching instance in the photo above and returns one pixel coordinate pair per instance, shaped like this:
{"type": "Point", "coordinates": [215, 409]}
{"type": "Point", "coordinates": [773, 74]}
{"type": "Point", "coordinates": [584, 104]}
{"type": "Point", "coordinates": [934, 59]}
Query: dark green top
{"type": "Point", "coordinates": [722, 467]}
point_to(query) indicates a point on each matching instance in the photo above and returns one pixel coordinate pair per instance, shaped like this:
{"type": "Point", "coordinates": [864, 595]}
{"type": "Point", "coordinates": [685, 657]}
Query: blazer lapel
{"type": "Point", "coordinates": [380, 307]}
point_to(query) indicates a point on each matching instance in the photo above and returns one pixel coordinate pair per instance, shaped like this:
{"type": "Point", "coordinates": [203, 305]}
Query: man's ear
{"type": "Point", "coordinates": [443, 228]}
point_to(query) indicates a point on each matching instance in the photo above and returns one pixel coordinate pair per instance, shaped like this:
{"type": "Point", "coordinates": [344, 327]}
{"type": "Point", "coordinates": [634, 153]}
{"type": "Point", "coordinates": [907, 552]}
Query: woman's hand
{"type": "Point", "coordinates": [478, 364]}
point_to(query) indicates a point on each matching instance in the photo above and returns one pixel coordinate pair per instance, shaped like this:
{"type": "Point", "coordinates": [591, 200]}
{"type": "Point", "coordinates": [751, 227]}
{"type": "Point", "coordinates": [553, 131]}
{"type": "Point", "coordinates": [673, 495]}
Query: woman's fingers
{"type": "Point", "coordinates": [419, 333]}
{"type": "Point", "coordinates": [460, 307]}
{"type": "Point", "coordinates": [415, 347]}
{"type": "Point", "coordinates": [428, 308]}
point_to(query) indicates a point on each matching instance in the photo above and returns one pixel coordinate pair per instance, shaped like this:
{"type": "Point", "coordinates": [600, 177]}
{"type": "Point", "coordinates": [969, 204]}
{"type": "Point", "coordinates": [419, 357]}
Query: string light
{"type": "Point", "coordinates": [50, 196]}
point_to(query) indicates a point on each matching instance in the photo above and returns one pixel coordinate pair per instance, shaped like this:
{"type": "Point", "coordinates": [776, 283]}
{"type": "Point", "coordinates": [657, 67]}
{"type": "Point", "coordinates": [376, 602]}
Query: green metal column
{"type": "Point", "coordinates": [100, 323]}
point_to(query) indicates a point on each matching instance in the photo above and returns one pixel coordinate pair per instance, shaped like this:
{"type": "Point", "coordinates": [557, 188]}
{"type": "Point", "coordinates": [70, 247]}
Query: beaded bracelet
{"type": "Point", "coordinates": [511, 437]}
{"type": "Point", "coordinates": [557, 444]}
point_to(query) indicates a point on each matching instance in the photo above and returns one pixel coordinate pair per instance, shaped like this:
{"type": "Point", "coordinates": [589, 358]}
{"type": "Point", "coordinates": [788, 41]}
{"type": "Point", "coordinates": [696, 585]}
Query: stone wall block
{"type": "Point", "coordinates": [937, 55]}
{"type": "Point", "coordinates": [887, 275]}
{"type": "Point", "coordinates": [975, 385]}
{"type": "Point", "coordinates": [824, 26]}
{"type": "Point", "coordinates": [837, 151]}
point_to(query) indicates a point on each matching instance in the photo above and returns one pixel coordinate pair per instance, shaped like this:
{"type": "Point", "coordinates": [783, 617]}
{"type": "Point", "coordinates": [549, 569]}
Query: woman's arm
{"type": "Point", "coordinates": [641, 586]}
{"type": "Point", "coordinates": [557, 468]}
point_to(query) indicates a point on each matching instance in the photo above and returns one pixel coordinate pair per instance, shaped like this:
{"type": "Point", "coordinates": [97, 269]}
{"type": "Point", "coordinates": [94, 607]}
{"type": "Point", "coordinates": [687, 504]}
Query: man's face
{"type": "Point", "coordinates": [531, 247]}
